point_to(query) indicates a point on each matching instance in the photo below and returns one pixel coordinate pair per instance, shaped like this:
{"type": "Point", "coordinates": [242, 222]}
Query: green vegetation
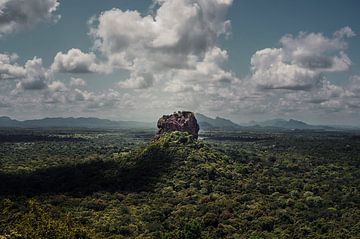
{"type": "Point", "coordinates": [121, 184]}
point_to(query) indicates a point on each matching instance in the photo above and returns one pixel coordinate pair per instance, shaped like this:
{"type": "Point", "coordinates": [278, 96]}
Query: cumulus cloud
{"type": "Point", "coordinates": [31, 76]}
{"type": "Point", "coordinates": [327, 92]}
{"type": "Point", "coordinates": [344, 32]}
{"type": "Point", "coordinates": [178, 42]}
{"type": "Point", "coordinates": [57, 86]}
{"type": "Point", "coordinates": [177, 86]}
{"type": "Point", "coordinates": [58, 93]}
{"type": "Point", "coordinates": [75, 61]}
{"type": "Point", "coordinates": [19, 14]}
{"type": "Point", "coordinates": [271, 72]}
{"type": "Point", "coordinates": [77, 82]}
{"type": "Point", "coordinates": [289, 80]}
{"type": "Point", "coordinates": [301, 61]}
{"type": "Point", "coordinates": [178, 39]}
{"type": "Point", "coordinates": [138, 80]}
{"type": "Point", "coordinates": [9, 69]}
{"type": "Point", "coordinates": [36, 76]}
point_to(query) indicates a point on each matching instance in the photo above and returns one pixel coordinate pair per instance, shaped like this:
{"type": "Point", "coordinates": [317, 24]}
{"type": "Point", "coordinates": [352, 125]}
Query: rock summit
{"type": "Point", "coordinates": [183, 121]}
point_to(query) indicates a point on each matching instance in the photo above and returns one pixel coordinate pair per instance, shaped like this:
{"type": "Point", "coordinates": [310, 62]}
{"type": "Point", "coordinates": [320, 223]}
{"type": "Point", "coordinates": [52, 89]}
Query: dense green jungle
{"type": "Point", "coordinates": [81, 183]}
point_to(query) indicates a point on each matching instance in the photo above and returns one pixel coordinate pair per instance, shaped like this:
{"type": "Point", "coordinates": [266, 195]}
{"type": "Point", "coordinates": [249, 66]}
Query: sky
{"type": "Point", "coordinates": [137, 60]}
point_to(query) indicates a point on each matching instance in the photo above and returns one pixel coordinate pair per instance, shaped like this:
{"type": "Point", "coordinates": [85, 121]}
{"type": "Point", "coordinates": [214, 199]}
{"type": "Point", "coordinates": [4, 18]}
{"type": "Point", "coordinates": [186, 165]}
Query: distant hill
{"type": "Point", "coordinates": [206, 122]}
{"type": "Point", "coordinates": [287, 124]}
{"type": "Point", "coordinates": [72, 123]}
{"type": "Point", "coordinates": [8, 122]}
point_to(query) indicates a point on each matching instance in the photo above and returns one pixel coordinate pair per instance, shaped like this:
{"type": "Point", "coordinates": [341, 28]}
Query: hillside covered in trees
{"type": "Point", "coordinates": [121, 184]}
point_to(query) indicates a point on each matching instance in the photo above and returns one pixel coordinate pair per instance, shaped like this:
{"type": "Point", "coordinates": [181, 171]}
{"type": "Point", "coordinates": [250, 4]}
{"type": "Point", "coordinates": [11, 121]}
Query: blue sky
{"type": "Point", "coordinates": [222, 70]}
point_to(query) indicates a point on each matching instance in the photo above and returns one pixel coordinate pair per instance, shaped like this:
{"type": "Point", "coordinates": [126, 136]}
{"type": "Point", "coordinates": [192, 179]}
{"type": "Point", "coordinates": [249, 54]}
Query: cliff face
{"type": "Point", "coordinates": [183, 121]}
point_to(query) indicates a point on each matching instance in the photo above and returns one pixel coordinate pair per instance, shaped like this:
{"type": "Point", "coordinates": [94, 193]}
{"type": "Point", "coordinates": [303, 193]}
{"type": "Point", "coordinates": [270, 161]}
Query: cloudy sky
{"type": "Point", "coordinates": [136, 60]}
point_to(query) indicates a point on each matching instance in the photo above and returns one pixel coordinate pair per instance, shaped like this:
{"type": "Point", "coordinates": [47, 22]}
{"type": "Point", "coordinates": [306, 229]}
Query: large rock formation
{"type": "Point", "coordinates": [183, 121]}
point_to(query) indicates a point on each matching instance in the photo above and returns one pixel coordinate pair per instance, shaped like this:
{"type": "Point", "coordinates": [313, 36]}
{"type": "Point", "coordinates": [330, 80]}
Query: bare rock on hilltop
{"type": "Point", "coordinates": [183, 121]}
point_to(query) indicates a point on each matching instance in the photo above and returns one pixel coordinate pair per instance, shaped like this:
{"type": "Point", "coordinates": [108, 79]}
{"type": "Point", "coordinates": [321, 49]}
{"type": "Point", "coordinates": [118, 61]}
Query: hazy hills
{"type": "Point", "coordinates": [287, 124]}
{"type": "Point", "coordinates": [72, 123]}
{"type": "Point", "coordinates": [221, 123]}
{"type": "Point", "coordinates": [205, 123]}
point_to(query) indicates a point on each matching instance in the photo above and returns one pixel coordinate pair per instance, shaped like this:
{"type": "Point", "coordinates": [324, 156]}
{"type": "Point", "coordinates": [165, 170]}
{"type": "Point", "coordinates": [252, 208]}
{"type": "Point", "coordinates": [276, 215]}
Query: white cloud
{"type": "Point", "coordinates": [177, 86]}
{"type": "Point", "coordinates": [271, 72]}
{"type": "Point", "coordinates": [178, 40]}
{"type": "Point", "coordinates": [327, 92]}
{"type": "Point", "coordinates": [9, 69]}
{"type": "Point", "coordinates": [316, 52]}
{"type": "Point", "coordinates": [77, 82]}
{"type": "Point", "coordinates": [345, 32]}
{"type": "Point", "coordinates": [301, 61]}
{"type": "Point", "coordinates": [36, 76]}
{"type": "Point", "coordinates": [138, 81]}
{"type": "Point", "coordinates": [57, 86]}
{"type": "Point", "coordinates": [75, 61]}
{"type": "Point", "coordinates": [18, 14]}
{"type": "Point", "coordinates": [31, 76]}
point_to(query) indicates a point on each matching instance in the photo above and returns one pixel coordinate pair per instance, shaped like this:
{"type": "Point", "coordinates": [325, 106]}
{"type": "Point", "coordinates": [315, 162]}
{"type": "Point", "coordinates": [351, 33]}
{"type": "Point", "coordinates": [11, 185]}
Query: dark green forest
{"type": "Point", "coordinates": [78, 183]}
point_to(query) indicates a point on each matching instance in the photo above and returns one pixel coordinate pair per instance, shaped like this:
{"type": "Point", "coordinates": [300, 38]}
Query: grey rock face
{"type": "Point", "coordinates": [183, 121]}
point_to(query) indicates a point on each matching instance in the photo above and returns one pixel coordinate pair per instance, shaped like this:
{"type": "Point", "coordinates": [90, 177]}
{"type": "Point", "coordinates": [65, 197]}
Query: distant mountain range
{"type": "Point", "coordinates": [72, 123]}
{"type": "Point", "coordinates": [205, 123]}
{"type": "Point", "coordinates": [288, 124]}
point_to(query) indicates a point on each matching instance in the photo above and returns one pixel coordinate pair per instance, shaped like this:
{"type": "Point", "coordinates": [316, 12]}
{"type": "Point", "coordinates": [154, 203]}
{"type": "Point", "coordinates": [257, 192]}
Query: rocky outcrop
{"type": "Point", "coordinates": [183, 121]}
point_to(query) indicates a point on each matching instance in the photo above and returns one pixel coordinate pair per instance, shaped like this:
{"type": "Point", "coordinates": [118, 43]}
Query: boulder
{"type": "Point", "coordinates": [183, 121]}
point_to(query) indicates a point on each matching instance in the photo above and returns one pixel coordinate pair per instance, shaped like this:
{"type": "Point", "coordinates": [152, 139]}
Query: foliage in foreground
{"type": "Point", "coordinates": [32, 220]}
